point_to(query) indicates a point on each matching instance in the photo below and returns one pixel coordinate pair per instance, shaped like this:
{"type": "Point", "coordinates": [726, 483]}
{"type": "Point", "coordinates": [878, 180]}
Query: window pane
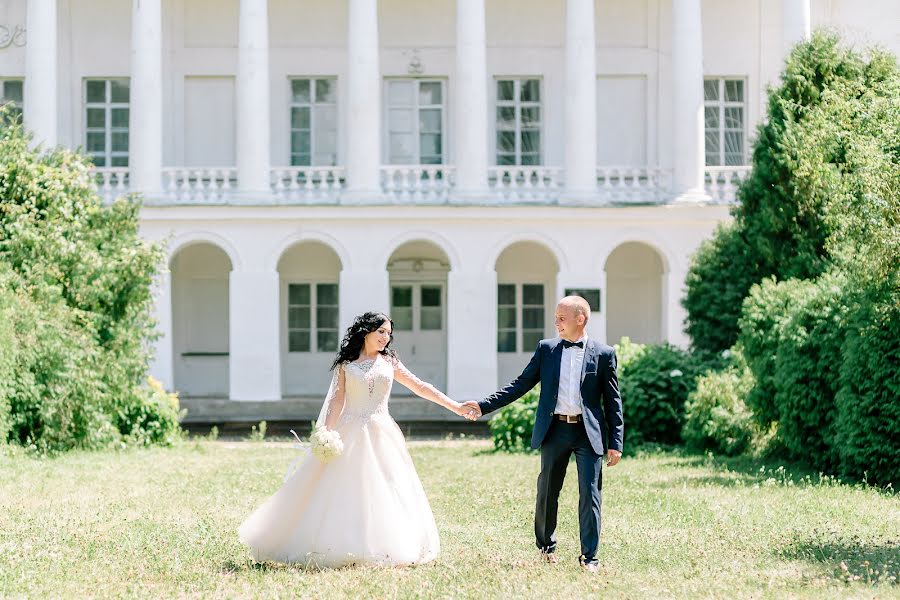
{"type": "Point", "coordinates": [711, 89]}
{"type": "Point", "coordinates": [300, 142]}
{"type": "Point", "coordinates": [430, 144]}
{"type": "Point", "coordinates": [119, 117]}
{"type": "Point", "coordinates": [734, 159]}
{"type": "Point", "coordinates": [530, 159]}
{"type": "Point", "coordinates": [506, 90]}
{"type": "Point", "coordinates": [400, 120]}
{"type": "Point", "coordinates": [96, 117]}
{"type": "Point", "coordinates": [712, 142]}
{"type": "Point", "coordinates": [734, 142]}
{"type": "Point", "coordinates": [712, 159]}
{"type": "Point", "coordinates": [431, 296]}
{"type": "Point", "coordinates": [506, 317]}
{"type": "Point", "coordinates": [531, 115]}
{"type": "Point", "coordinates": [734, 91]}
{"type": "Point", "coordinates": [533, 294]}
{"type": "Point", "coordinates": [96, 141]}
{"type": "Point", "coordinates": [118, 161]}
{"type": "Point", "coordinates": [430, 92]}
{"type": "Point", "coordinates": [431, 319]}
{"type": "Point", "coordinates": [506, 341]}
{"type": "Point", "coordinates": [401, 296]}
{"type": "Point", "coordinates": [402, 148]}
{"type": "Point", "coordinates": [99, 160]}
{"type": "Point", "coordinates": [326, 118]}
{"type": "Point", "coordinates": [120, 141]}
{"type": "Point", "coordinates": [119, 90]}
{"type": "Point", "coordinates": [506, 293]}
{"type": "Point", "coordinates": [530, 339]}
{"type": "Point", "coordinates": [430, 120]}
{"type": "Point", "coordinates": [301, 160]}
{"type": "Point", "coordinates": [12, 91]}
{"type": "Point", "coordinates": [400, 93]}
{"type": "Point", "coordinates": [326, 90]}
{"type": "Point", "coordinates": [298, 317]}
{"type": "Point", "coordinates": [298, 341]}
{"type": "Point", "coordinates": [300, 117]}
{"type": "Point", "coordinates": [300, 90]}
{"type": "Point", "coordinates": [327, 316]}
{"type": "Point", "coordinates": [96, 91]}
{"type": "Point", "coordinates": [711, 117]}
{"type": "Point", "coordinates": [533, 318]}
{"type": "Point", "coordinates": [298, 293]}
{"type": "Point", "coordinates": [531, 140]}
{"type": "Point", "coordinates": [506, 117]}
{"type": "Point", "coordinates": [402, 319]}
{"type": "Point", "coordinates": [506, 141]}
{"type": "Point", "coordinates": [734, 117]}
{"type": "Point", "coordinates": [327, 294]}
{"type": "Point", "coordinates": [531, 90]}
{"type": "Point", "coordinates": [506, 159]}
{"type": "Point", "coordinates": [327, 341]}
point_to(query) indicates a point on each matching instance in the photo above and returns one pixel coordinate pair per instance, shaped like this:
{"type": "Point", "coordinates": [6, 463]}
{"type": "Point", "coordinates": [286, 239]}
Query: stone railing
{"type": "Point", "coordinates": [198, 184]}
{"type": "Point", "coordinates": [417, 184]}
{"type": "Point", "coordinates": [307, 184]}
{"type": "Point", "coordinates": [535, 184]}
{"type": "Point", "coordinates": [635, 185]}
{"type": "Point", "coordinates": [722, 182]}
{"type": "Point", "coordinates": [112, 182]}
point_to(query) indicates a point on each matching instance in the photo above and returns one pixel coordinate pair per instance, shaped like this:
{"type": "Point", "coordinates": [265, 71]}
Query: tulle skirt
{"type": "Point", "coordinates": [366, 506]}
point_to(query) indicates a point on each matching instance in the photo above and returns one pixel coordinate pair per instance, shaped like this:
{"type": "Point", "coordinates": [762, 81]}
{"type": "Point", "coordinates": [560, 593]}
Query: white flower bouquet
{"type": "Point", "coordinates": [326, 444]}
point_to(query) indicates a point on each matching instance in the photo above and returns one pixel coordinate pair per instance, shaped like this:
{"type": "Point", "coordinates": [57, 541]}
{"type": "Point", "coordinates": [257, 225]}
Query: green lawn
{"type": "Point", "coordinates": [161, 523]}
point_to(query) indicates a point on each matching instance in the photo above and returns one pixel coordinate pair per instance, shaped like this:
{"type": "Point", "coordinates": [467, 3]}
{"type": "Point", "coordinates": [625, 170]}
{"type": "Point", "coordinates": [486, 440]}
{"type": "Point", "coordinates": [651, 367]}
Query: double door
{"type": "Point", "coordinates": [420, 330]}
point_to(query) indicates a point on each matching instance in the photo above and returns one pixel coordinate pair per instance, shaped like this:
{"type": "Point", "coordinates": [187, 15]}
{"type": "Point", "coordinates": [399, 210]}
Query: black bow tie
{"type": "Point", "coordinates": [568, 344]}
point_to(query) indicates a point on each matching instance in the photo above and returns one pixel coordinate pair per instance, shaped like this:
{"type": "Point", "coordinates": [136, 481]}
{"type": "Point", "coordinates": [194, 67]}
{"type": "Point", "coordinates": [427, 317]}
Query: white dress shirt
{"type": "Point", "coordinates": [568, 397]}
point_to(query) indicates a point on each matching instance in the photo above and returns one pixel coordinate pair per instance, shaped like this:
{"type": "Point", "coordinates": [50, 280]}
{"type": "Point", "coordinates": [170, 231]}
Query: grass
{"type": "Point", "coordinates": [161, 523]}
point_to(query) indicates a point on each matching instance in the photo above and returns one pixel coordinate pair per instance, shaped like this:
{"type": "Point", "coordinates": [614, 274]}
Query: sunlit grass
{"type": "Point", "coordinates": [161, 523]}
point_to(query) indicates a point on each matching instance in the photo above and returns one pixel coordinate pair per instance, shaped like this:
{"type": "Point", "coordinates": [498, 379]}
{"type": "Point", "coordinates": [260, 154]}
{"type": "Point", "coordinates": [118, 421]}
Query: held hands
{"type": "Point", "coordinates": [468, 410]}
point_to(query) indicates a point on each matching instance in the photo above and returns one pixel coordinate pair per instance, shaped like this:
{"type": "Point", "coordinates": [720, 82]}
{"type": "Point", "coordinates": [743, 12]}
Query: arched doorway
{"type": "Point", "coordinates": [200, 333]}
{"type": "Point", "coordinates": [309, 332]}
{"type": "Point", "coordinates": [417, 272]}
{"type": "Point", "coordinates": [634, 297]}
{"type": "Point", "coordinates": [526, 288]}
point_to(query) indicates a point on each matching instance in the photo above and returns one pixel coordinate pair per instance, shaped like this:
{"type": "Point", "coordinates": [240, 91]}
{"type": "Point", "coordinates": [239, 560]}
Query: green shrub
{"type": "Point", "coordinates": [716, 415]}
{"type": "Point", "coordinates": [7, 362]}
{"type": "Point", "coordinates": [154, 419]}
{"type": "Point", "coordinates": [654, 381]}
{"type": "Point", "coordinates": [512, 426]}
{"type": "Point", "coordinates": [867, 427]}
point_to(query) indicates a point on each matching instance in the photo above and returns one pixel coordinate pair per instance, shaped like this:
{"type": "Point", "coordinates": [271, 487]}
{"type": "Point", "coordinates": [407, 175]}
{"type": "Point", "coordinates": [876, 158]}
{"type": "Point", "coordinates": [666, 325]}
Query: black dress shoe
{"type": "Point", "coordinates": [549, 557]}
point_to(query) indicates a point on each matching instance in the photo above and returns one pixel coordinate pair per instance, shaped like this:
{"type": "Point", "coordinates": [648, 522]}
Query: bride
{"type": "Point", "coordinates": [366, 506]}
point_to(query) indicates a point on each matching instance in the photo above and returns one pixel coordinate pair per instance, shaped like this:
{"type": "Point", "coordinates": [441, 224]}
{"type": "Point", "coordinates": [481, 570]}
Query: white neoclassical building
{"type": "Point", "coordinates": [458, 163]}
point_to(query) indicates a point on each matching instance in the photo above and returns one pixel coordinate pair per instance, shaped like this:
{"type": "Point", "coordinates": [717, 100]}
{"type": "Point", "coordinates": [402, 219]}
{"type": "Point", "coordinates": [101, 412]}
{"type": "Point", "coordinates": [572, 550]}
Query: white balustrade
{"type": "Point", "coordinates": [112, 182]}
{"type": "Point", "coordinates": [526, 183]}
{"type": "Point", "coordinates": [199, 184]}
{"type": "Point", "coordinates": [308, 184]}
{"type": "Point", "coordinates": [620, 184]}
{"type": "Point", "coordinates": [417, 183]}
{"type": "Point", "coordinates": [722, 182]}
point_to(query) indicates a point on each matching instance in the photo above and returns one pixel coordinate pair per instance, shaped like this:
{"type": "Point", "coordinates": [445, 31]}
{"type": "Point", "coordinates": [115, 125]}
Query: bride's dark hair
{"type": "Point", "coordinates": [355, 337]}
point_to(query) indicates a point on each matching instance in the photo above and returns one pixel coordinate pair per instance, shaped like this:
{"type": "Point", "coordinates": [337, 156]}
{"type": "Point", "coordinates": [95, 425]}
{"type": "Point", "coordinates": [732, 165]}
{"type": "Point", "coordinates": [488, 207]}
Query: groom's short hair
{"type": "Point", "coordinates": [578, 305]}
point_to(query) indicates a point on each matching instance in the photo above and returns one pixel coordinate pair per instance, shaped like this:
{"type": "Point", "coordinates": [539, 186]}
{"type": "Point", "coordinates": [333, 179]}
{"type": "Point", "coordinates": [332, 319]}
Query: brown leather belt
{"type": "Point", "coordinates": [568, 418]}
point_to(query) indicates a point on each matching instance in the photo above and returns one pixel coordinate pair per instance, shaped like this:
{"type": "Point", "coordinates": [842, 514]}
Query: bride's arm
{"type": "Point", "coordinates": [424, 389]}
{"type": "Point", "coordinates": [336, 399]}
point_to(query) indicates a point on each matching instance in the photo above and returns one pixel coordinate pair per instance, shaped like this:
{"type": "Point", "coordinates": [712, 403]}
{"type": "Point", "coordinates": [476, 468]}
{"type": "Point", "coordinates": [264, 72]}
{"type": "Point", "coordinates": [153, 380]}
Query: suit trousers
{"type": "Point", "coordinates": [563, 440]}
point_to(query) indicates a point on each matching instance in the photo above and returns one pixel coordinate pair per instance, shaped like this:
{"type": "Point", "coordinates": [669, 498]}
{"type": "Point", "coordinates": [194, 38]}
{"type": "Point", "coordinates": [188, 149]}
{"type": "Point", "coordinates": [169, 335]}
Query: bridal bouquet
{"type": "Point", "coordinates": [326, 444]}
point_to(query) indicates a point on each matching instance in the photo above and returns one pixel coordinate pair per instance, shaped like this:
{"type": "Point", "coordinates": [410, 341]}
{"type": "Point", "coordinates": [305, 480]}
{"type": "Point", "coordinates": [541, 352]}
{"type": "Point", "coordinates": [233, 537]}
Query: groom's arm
{"type": "Point", "coordinates": [517, 388]}
{"type": "Point", "coordinates": [612, 406]}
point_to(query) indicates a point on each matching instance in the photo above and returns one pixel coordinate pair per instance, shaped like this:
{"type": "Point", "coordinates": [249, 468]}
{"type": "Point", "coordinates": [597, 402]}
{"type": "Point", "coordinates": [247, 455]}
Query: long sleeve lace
{"type": "Point", "coordinates": [423, 389]}
{"type": "Point", "coordinates": [335, 400]}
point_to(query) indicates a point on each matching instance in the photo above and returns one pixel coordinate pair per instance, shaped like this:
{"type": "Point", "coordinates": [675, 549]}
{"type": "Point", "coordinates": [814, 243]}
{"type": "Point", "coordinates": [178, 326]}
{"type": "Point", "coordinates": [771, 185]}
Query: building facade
{"type": "Point", "coordinates": [460, 164]}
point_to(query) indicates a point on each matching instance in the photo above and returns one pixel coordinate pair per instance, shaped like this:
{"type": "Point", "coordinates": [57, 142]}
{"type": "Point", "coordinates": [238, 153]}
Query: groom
{"type": "Point", "coordinates": [579, 412]}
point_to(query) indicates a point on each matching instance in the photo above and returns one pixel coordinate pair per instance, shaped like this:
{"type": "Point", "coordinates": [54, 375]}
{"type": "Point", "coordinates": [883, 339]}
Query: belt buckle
{"type": "Point", "coordinates": [569, 419]}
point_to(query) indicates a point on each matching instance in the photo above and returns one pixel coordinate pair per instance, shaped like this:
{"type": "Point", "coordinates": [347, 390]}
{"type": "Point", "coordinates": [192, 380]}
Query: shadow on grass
{"type": "Point", "coordinates": [849, 560]}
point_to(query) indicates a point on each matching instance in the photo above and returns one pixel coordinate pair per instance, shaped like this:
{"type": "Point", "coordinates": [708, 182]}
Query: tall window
{"type": "Point", "coordinates": [724, 113]}
{"type": "Point", "coordinates": [312, 317]}
{"type": "Point", "coordinates": [519, 120]}
{"type": "Point", "coordinates": [314, 121]}
{"type": "Point", "coordinates": [106, 121]}
{"type": "Point", "coordinates": [11, 93]}
{"type": "Point", "coordinates": [415, 121]}
{"type": "Point", "coordinates": [520, 316]}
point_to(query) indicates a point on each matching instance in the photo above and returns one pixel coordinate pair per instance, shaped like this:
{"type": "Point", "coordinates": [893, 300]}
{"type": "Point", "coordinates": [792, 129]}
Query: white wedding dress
{"type": "Point", "coordinates": [366, 506]}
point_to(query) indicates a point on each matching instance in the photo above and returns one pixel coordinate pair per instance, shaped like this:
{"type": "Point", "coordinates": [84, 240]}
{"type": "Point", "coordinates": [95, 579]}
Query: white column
{"type": "Point", "coordinates": [253, 97]}
{"type": "Point", "coordinates": [471, 129]}
{"type": "Point", "coordinates": [687, 70]}
{"type": "Point", "coordinates": [40, 109]}
{"type": "Point", "coordinates": [363, 103]}
{"type": "Point", "coordinates": [161, 368]}
{"type": "Point", "coordinates": [361, 291]}
{"type": "Point", "coordinates": [254, 345]}
{"type": "Point", "coordinates": [673, 312]}
{"type": "Point", "coordinates": [145, 126]}
{"type": "Point", "coordinates": [581, 99]}
{"type": "Point", "coordinates": [471, 334]}
{"type": "Point", "coordinates": [596, 327]}
{"type": "Point", "coordinates": [795, 22]}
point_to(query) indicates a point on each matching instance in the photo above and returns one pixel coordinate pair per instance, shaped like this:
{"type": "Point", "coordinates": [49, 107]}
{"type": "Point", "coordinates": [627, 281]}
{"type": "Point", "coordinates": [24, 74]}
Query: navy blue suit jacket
{"type": "Point", "coordinates": [602, 405]}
